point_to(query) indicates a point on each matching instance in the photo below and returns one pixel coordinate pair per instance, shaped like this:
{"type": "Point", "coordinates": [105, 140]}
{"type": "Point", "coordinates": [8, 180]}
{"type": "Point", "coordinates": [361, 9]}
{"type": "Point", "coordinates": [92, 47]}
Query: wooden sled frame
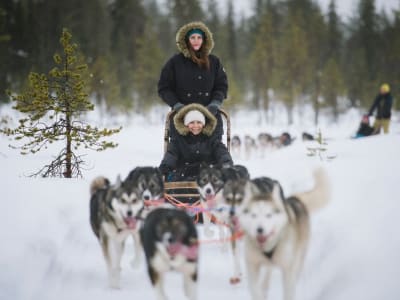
{"type": "Point", "coordinates": [177, 186]}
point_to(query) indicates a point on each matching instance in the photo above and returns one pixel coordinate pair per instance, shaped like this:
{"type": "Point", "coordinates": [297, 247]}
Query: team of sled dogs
{"type": "Point", "coordinates": [275, 228]}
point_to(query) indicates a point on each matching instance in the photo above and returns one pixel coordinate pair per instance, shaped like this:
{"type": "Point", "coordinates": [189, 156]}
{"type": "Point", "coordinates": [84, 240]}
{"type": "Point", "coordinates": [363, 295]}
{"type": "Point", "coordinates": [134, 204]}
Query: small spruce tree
{"type": "Point", "coordinates": [320, 148]}
{"type": "Point", "coordinates": [54, 106]}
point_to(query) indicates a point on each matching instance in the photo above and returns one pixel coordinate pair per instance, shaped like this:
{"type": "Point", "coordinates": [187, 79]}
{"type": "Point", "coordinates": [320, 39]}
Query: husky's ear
{"type": "Point", "coordinates": [277, 194]}
{"type": "Point", "coordinates": [251, 189]}
{"type": "Point", "coordinates": [118, 182]}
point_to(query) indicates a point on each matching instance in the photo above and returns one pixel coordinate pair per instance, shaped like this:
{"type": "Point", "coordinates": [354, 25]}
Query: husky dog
{"type": "Point", "coordinates": [210, 182]}
{"type": "Point", "coordinates": [250, 146]}
{"type": "Point", "coordinates": [276, 234]}
{"type": "Point", "coordinates": [307, 137]}
{"type": "Point", "coordinates": [148, 185]}
{"type": "Point", "coordinates": [219, 205]}
{"type": "Point", "coordinates": [114, 211]}
{"type": "Point", "coordinates": [170, 242]}
{"type": "Point", "coordinates": [235, 145]}
{"type": "Point", "coordinates": [265, 141]}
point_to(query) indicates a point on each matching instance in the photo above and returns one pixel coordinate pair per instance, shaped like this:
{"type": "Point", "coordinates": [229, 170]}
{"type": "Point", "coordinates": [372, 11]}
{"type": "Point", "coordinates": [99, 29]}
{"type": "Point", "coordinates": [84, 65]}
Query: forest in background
{"type": "Point", "coordinates": [287, 51]}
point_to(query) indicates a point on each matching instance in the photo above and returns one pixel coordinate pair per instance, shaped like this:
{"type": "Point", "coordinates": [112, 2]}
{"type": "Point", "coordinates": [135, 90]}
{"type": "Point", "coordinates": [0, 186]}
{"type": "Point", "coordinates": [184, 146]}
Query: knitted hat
{"type": "Point", "coordinates": [194, 115]}
{"type": "Point", "coordinates": [385, 88]}
{"type": "Point", "coordinates": [195, 30]}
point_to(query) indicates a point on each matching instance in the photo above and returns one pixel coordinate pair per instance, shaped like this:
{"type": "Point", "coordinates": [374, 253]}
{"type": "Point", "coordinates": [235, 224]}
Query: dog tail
{"type": "Point", "coordinates": [319, 196]}
{"type": "Point", "coordinates": [98, 183]}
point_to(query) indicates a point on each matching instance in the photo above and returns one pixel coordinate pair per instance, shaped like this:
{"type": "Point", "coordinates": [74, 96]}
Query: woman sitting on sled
{"type": "Point", "coordinates": [193, 145]}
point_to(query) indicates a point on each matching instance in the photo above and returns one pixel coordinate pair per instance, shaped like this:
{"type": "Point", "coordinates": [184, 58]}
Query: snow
{"type": "Point", "coordinates": [48, 250]}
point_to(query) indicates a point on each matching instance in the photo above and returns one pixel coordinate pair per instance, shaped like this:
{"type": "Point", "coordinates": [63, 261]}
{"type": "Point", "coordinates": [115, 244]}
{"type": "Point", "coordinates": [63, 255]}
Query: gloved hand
{"type": "Point", "coordinates": [227, 165]}
{"type": "Point", "coordinates": [164, 169]}
{"type": "Point", "coordinates": [177, 106]}
{"type": "Point", "coordinates": [214, 106]}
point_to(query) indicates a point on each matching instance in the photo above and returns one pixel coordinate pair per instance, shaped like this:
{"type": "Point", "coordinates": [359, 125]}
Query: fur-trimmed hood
{"type": "Point", "coordinates": [208, 42]}
{"type": "Point", "coordinates": [209, 127]}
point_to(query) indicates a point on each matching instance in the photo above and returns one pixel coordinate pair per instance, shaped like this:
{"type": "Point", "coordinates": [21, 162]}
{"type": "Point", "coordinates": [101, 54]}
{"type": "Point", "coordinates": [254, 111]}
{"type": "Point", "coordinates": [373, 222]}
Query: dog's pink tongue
{"type": "Point", "coordinates": [130, 222]}
{"type": "Point", "coordinates": [210, 200]}
{"type": "Point", "coordinates": [261, 239]}
{"type": "Point", "coordinates": [174, 248]}
{"type": "Point", "coordinates": [236, 224]}
{"type": "Point", "coordinates": [190, 252]}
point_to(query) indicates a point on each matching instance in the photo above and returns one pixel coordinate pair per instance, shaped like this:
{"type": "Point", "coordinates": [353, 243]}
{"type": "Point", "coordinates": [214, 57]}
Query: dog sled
{"type": "Point", "coordinates": [185, 194]}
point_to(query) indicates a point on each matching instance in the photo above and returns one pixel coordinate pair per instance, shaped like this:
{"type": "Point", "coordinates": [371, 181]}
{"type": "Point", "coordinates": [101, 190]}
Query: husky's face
{"type": "Point", "coordinates": [126, 205]}
{"type": "Point", "coordinates": [264, 218]}
{"type": "Point", "coordinates": [150, 186]}
{"type": "Point", "coordinates": [235, 141]}
{"type": "Point", "coordinates": [234, 194]}
{"type": "Point", "coordinates": [146, 182]}
{"type": "Point", "coordinates": [171, 230]}
{"type": "Point", "coordinates": [210, 181]}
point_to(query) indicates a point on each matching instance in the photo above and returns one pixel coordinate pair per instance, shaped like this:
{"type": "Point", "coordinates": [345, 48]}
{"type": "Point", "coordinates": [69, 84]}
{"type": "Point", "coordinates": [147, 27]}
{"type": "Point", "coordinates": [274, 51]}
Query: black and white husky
{"type": "Point", "coordinates": [149, 185]}
{"type": "Point", "coordinates": [169, 240]}
{"type": "Point", "coordinates": [276, 232]}
{"type": "Point", "coordinates": [210, 182]}
{"type": "Point", "coordinates": [116, 212]}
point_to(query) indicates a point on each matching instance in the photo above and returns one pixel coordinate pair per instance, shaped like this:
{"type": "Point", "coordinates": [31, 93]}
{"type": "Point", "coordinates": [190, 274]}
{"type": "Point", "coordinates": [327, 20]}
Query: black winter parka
{"type": "Point", "coordinates": [182, 80]}
{"type": "Point", "coordinates": [186, 151]}
{"type": "Point", "coordinates": [383, 105]}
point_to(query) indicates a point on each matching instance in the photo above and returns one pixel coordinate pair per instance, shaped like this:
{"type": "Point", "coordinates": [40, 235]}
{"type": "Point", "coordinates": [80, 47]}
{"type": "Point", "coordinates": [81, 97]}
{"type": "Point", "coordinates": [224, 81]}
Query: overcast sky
{"type": "Point", "coordinates": [345, 8]}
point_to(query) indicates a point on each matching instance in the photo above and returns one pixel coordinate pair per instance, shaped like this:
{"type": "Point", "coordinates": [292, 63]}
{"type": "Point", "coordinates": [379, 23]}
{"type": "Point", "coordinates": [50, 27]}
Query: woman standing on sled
{"type": "Point", "coordinates": [194, 75]}
{"type": "Point", "coordinates": [193, 145]}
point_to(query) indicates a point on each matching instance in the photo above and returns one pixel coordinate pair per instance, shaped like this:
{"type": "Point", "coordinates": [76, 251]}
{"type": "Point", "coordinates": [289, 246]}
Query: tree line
{"type": "Point", "coordinates": [287, 50]}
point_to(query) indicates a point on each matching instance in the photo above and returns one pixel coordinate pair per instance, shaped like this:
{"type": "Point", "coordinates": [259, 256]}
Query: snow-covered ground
{"type": "Point", "coordinates": [48, 250]}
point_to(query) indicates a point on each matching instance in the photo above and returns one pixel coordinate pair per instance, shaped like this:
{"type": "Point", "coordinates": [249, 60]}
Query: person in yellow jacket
{"type": "Point", "coordinates": [383, 104]}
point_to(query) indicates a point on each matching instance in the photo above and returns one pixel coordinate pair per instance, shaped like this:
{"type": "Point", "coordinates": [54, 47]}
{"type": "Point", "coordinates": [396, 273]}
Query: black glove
{"type": "Point", "coordinates": [214, 106]}
{"type": "Point", "coordinates": [164, 169]}
{"type": "Point", "coordinates": [226, 165]}
{"type": "Point", "coordinates": [177, 106]}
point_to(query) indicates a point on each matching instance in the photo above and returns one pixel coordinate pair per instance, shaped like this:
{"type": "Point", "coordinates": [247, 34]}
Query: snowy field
{"type": "Point", "coordinates": [48, 250]}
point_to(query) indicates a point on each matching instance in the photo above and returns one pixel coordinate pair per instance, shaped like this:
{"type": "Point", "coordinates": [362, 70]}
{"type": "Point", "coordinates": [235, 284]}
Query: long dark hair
{"type": "Point", "coordinates": [199, 57]}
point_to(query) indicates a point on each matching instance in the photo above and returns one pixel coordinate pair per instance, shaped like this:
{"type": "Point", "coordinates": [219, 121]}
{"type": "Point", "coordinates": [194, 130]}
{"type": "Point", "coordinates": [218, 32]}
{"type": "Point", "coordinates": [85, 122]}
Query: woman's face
{"type": "Point", "coordinates": [195, 127]}
{"type": "Point", "coordinates": [196, 40]}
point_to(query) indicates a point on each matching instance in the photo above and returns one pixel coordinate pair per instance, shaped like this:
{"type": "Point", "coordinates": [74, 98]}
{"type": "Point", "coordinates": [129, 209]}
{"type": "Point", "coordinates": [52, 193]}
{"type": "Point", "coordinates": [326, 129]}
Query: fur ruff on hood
{"type": "Point", "coordinates": [209, 127]}
{"type": "Point", "coordinates": [208, 42]}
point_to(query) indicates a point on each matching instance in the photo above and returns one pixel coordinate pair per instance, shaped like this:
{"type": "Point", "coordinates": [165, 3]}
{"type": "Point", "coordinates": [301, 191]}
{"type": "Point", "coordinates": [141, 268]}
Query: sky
{"type": "Point", "coordinates": [48, 250]}
{"type": "Point", "coordinates": [345, 8]}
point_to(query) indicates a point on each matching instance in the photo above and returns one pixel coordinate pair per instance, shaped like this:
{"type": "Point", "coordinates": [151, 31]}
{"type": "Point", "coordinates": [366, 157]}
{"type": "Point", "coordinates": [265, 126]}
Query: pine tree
{"type": "Point", "coordinates": [294, 63]}
{"type": "Point", "coordinates": [150, 58]}
{"type": "Point", "coordinates": [53, 105]}
{"type": "Point", "coordinates": [262, 61]}
{"type": "Point", "coordinates": [4, 56]}
{"type": "Point", "coordinates": [331, 78]}
{"type": "Point", "coordinates": [185, 11]}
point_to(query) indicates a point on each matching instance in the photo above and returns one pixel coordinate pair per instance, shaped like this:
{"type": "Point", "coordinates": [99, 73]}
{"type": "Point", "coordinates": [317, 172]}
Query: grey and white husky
{"type": "Point", "coordinates": [276, 232]}
{"type": "Point", "coordinates": [223, 188]}
{"type": "Point", "coordinates": [116, 212]}
{"type": "Point", "coordinates": [149, 185]}
{"type": "Point", "coordinates": [170, 243]}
